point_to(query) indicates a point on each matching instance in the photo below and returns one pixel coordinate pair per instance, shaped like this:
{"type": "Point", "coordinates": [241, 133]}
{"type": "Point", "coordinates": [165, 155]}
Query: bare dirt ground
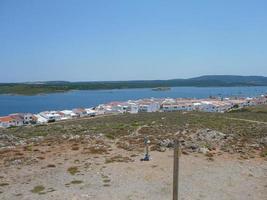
{"type": "Point", "coordinates": [69, 170]}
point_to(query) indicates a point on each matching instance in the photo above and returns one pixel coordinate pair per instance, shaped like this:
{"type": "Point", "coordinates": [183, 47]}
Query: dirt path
{"type": "Point", "coordinates": [246, 120]}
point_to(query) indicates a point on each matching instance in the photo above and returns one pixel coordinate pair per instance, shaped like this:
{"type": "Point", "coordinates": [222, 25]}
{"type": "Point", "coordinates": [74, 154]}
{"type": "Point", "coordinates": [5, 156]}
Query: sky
{"type": "Point", "coordinates": [95, 40]}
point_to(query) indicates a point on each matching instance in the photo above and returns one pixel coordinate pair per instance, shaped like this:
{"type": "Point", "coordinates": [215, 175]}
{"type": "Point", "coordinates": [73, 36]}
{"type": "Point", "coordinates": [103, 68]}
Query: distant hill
{"type": "Point", "coordinates": [33, 88]}
{"type": "Point", "coordinates": [231, 79]}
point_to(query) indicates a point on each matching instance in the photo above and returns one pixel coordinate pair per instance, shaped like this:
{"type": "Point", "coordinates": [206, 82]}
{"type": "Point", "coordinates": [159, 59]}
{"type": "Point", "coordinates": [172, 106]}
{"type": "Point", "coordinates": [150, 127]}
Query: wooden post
{"type": "Point", "coordinates": [176, 169]}
{"type": "Point", "coordinates": [147, 157]}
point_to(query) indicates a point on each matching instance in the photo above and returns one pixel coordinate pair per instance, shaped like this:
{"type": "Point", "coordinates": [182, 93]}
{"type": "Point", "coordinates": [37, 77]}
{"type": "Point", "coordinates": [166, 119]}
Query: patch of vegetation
{"type": "Point", "coordinates": [73, 170]}
{"type": "Point", "coordinates": [110, 136]}
{"type": "Point", "coordinates": [28, 148]}
{"type": "Point", "coordinates": [75, 148]}
{"type": "Point", "coordinates": [118, 158]}
{"type": "Point", "coordinates": [104, 176]}
{"type": "Point", "coordinates": [76, 182]}
{"type": "Point", "coordinates": [106, 180]}
{"type": "Point", "coordinates": [38, 189]}
{"type": "Point", "coordinates": [264, 152]}
{"type": "Point", "coordinates": [3, 184]}
{"type": "Point", "coordinates": [51, 166]}
{"type": "Point", "coordinates": [51, 190]}
{"type": "Point", "coordinates": [96, 149]}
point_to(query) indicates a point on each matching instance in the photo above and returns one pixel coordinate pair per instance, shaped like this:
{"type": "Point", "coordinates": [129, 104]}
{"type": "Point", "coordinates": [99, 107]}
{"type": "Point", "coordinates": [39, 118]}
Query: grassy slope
{"type": "Point", "coordinates": [257, 113]}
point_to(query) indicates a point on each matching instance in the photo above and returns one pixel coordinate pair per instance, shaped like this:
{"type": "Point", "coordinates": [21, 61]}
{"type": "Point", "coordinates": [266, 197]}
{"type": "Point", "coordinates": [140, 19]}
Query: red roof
{"type": "Point", "coordinates": [6, 119]}
{"type": "Point", "coordinates": [17, 117]}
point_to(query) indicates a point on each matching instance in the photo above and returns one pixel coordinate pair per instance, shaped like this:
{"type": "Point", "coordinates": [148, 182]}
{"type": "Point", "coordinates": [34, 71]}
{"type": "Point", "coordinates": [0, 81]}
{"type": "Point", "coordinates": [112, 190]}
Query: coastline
{"type": "Point", "coordinates": [115, 89]}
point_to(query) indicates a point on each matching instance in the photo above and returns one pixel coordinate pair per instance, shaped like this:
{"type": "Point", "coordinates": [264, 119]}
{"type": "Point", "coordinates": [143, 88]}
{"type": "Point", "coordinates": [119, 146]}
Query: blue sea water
{"type": "Point", "coordinates": [73, 99]}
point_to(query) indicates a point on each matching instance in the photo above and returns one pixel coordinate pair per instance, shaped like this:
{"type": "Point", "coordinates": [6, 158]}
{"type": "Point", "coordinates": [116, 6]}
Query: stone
{"type": "Point", "coordinates": [166, 143]}
{"type": "Point", "coordinates": [203, 150]}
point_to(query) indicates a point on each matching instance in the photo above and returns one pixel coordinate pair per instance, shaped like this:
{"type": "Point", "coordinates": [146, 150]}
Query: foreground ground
{"type": "Point", "coordinates": [78, 176]}
{"type": "Point", "coordinates": [223, 157]}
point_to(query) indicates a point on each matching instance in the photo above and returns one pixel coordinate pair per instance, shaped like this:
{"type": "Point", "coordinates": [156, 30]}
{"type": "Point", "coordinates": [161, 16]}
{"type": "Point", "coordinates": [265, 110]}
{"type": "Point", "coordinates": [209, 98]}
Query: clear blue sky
{"type": "Point", "coordinates": [86, 40]}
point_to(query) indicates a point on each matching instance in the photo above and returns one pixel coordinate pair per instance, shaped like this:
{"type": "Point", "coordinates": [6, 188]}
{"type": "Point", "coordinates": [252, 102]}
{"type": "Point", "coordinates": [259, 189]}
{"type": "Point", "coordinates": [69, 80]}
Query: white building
{"type": "Point", "coordinates": [116, 107]}
{"type": "Point", "coordinates": [68, 114]}
{"type": "Point", "coordinates": [260, 100]}
{"type": "Point", "coordinates": [170, 105]}
{"type": "Point", "coordinates": [29, 118]}
{"type": "Point", "coordinates": [100, 109]}
{"type": "Point", "coordinates": [41, 119]}
{"type": "Point", "coordinates": [80, 112]}
{"type": "Point", "coordinates": [51, 116]}
{"type": "Point", "coordinates": [18, 119]}
{"type": "Point", "coordinates": [207, 106]}
{"type": "Point", "coordinates": [132, 107]}
{"type": "Point", "coordinates": [7, 121]}
{"type": "Point", "coordinates": [90, 112]}
{"type": "Point", "coordinates": [148, 105]}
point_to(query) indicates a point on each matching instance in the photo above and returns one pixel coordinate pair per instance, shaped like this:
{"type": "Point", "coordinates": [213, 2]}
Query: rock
{"type": "Point", "coordinates": [255, 146]}
{"type": "Point", "coordinates": [157, 148]}
{"type": "Point", "coordinates": [193, 147]}
{"type": "Point", "coordinates": [166, 143]}
{"type": "Point", "coordinates": [162, 149]}
{"type": "Point", "coordinates": [210, 135]}
{"type": "Point", "coordinates": [16, 162]}
{"type": "Point", "coordinates": [2, 145]}
{"type": "Point", "coordinates": [203, 150]}
{"type": "Point", "coordinates": [75, 137]}
{"type": "Point", "coordinates": [264, 141]}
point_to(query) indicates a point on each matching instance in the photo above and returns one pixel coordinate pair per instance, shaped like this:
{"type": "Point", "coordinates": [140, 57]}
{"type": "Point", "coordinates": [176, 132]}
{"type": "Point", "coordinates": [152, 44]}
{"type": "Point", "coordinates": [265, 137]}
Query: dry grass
{"type": "Point", "coordinates": [38, 189]}
{"type": "Point", "coordinates": [96, 149]}
{"type": "Point", "coordinates": [3, 184]}
{"type": "Point", "coordinates": [76, 182]}
{"type": "Point", "coordinates": [118, 158]}
{"type": "Point", "coordinates": [51, 166]}
{"type": "Point", "coordinates": [73, 170]}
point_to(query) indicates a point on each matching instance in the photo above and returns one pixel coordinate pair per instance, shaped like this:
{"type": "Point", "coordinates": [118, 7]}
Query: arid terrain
{"type": "Point", "coordinates": [223, 156]}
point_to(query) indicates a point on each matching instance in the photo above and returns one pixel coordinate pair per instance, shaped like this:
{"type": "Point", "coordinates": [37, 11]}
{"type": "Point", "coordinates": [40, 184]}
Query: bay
{"type": "Point", "coordinates": [90, 98]}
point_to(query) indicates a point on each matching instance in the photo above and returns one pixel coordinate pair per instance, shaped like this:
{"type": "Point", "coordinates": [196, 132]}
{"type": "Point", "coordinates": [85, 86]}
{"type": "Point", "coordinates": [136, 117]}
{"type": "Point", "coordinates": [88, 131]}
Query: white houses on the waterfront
{"type": "Point", "coordinates": [90, 112]}
{"type": "Point", "coordinates": [50, 116]}
{"type": "Point", "coordinates": [7, 122]}
{"type": "Point", "coordinates": [68, 114]}
{"type": "Point", "coordinates": [29, 118]}
{"type": "Point", "coordinates": [148, 105]}
{"type": "Point", "coordinates": [80, 112]}
{"type": "Point", "coordinates": [134, 106]}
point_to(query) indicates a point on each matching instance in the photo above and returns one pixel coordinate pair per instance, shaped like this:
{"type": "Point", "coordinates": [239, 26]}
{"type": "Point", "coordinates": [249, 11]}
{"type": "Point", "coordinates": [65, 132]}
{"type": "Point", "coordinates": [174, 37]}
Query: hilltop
{"type": "Point", "coordinates": [223, 157]}
{"type": "Point", "coordinates": [33, 88]}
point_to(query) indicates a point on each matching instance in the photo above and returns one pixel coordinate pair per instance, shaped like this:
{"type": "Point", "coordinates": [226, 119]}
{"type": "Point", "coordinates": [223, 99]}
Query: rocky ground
{"type": "Point", "coordinates": [100, 159]}
{"type": "Point", "coordinates": [75, 174]}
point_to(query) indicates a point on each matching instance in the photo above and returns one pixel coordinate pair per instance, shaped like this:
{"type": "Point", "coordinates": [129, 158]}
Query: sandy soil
{"type": "Point", "coordinates": [102, 176]}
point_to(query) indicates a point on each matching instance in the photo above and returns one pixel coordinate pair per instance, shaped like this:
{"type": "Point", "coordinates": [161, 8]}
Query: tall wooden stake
{"type": "Point", "coordinates": [176, 169]}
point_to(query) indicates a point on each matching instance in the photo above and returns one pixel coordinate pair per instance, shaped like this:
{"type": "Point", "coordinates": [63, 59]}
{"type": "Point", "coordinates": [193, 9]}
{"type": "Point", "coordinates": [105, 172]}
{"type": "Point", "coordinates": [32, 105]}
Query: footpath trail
{"type": "Point", "coordinates": [247, 120]}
